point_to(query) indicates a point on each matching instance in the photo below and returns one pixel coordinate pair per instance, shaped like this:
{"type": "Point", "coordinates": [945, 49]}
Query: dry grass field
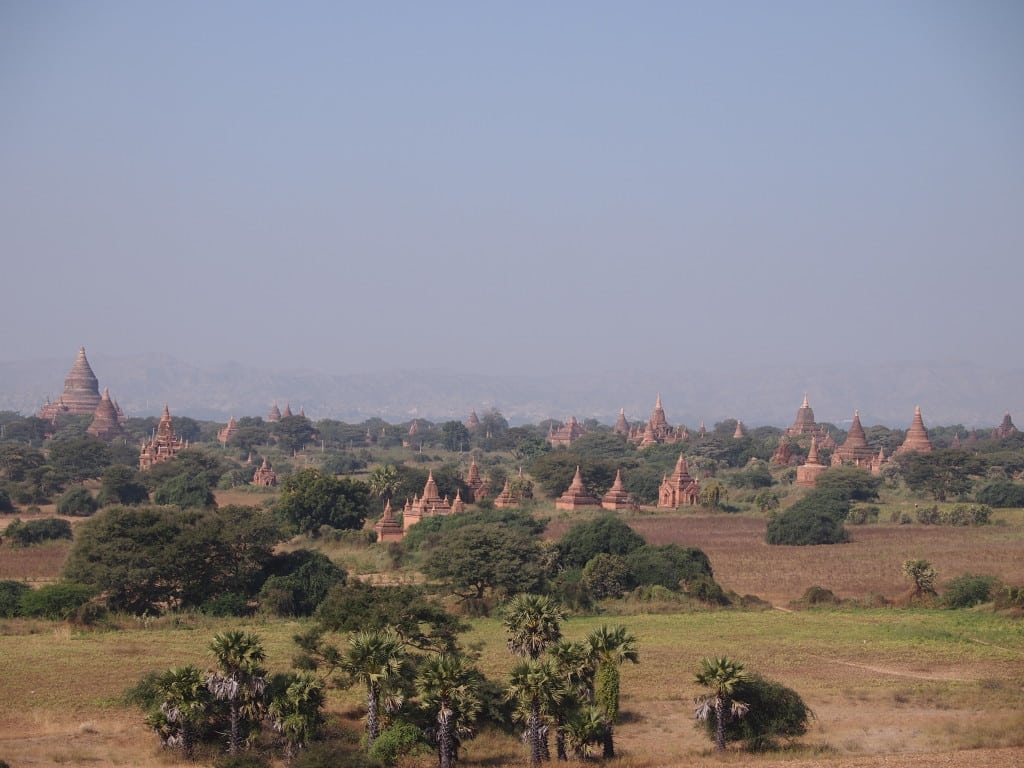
{"type": "Point", "coordinates": [889, 687]}
{"type": "Point", "coordinates": [869, 564]}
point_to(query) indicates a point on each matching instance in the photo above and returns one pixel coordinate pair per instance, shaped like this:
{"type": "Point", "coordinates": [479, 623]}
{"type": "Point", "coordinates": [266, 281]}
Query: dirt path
{"type": "Point", "coordinates": [893, 672]}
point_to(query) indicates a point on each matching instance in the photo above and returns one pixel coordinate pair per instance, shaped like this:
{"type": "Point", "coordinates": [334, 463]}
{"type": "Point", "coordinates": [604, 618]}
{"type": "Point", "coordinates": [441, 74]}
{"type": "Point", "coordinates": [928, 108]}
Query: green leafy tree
{"type": "Point", "coordinates": [10, 597]}
{"type": "Point", "coordinates": [450, 691]}
{"type": "Point", "coordinates": [815, 519]}
{"type": "Point", "coordinates": [610, 648]}
{"type": "Point", "coordinates": [713, 494]}
{"type": "Point", "coordinates": [60, 602]}
{"type": "Point", "coordinates": [421, 622]}
{"type": "Point", "coordinates": [721, 676]}
{"type": "Point", "coordinates": [239, 680]}
{"type": "Point", "coordinates": [968, 590]}
{"type": "Point", "coordinates": [24, 534]}
{"type": "Point", "coordinates": [81, 459]}
{"type": "Point", "coordinates": [849, 483]}
{"type": "Point", "coordinates": [669, 565]}
{"type": "Point", "coordinates": [1002, 494]}
{"type": "Point", "coordinates": [539, 691]}
{"type": "Point", "coordinates": [383, 481]}
{"type": "Point", "coordinates": [311, 499]}
{"type": "Point", "coordinates": [533, 622]}
{"type": "Point", "coordinates": [17, 460]}
{"type": "Point", "coordinates": [77, 501]}
{"type": "Point", "coordinates": [185, 492]}
{"type": "Point", "coordinates": [944, 473]}
{"type": "Point", "coordinates": [606, 576]}
{"type": "Point", "coordinates": [455, 436]}
{"type": "Point", "coordinates": [375, 659]}
{"type": "Point", "coordinates": [922, 574]}
{"type": "Point", "coordinates": [120, 484]}
{"type": "Point", "coordinates": [300, 582]}
{"type": "Point", "coordinates": [184, 708]}
{"type": "Point", "coordinates": [607, 534]}
{"type": "Point", "coordinates": [293, 432]}
{"type": "Point", "coordinates": [296, 710]}
{"type": "Point", "coordinates": [478, 558]}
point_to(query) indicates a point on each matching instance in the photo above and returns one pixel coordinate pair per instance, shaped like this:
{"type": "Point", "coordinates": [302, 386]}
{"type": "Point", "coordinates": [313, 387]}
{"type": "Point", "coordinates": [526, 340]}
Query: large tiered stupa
{"type": "Point", "coordinates": [854, 449]}
{"type": "Point", "coordinates": [917, 436]}
{"type": "Point", "coordinates": [81, 393]}
{"type": "Point", "coordinates": [657, 430]}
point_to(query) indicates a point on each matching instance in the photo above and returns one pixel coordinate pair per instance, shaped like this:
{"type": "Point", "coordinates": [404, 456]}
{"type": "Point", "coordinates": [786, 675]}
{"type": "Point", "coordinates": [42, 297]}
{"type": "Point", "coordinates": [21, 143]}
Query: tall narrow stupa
{"type": "Point", "coordinates": [917, 436]}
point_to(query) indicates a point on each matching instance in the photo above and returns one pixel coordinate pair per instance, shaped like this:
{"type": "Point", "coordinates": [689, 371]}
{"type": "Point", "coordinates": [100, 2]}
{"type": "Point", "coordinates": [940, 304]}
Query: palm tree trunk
{"type": "Point", "coordinates": [233, 736]}
{"type": "Point", "coordinates": [608, 740]}
{"type": "Point", "coordinates": [372, 715]}
{"type": "Point", "coordinates": [534, 730]}
{"type": "Point", "coordinates": [719, 724]}
{"type": "Point", "coordinates": [560, 738]}
{"type": "Point", "coordinates": [444, 736]}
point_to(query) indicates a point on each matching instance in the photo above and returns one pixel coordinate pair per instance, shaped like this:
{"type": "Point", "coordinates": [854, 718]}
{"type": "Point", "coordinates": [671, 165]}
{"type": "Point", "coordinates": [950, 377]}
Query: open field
{"type": "Point", "coordinates": [887, 687]}
{"type": "Point", "coordinates": [868, 564]}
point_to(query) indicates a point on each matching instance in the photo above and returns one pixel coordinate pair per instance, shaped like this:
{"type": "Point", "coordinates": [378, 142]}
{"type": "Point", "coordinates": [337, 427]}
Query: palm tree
{"type": "Point", "coordinates": [295, 710]}
{"type": "Point", "coordinates": [533, 623]}
{"type": "Point", "coordinates": [610, 648]}
{"type": "Point", "coordinates": [584, 728]}
{"type": "Point", "coordinates": [376, 659]}
{"type": "Point", "coordinates": [539, 690]}
{"type": "Point", "coordinates": [239, 679]}
{"type": "Point", "coordinates": [450, 690]}
{"type": "Point", "coordinates": [721, 676]}
{"type": "Point", "coordinates": [185, 704]}
{"type": "Point", "coordinates": [575, 667]}
{"type": "Point", "coordinates": [383, 481]}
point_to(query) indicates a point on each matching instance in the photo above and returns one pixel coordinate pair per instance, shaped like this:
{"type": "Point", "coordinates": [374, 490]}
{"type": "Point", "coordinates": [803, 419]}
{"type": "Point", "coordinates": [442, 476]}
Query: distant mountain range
{"type": "Point", "coordinates": [949, 393]}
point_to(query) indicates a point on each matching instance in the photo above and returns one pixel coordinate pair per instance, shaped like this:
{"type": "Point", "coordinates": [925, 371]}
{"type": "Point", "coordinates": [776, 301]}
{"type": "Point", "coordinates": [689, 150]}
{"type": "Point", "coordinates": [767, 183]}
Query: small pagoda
{"type": "Point", "coordinates": [854, 449]}
{"type": "Point", "coordinates": [506, 498]}
{"type": "Point", "coordinates": [576, 496]}
{"type": "Point", "coordinates": [807, 473]}
{"type": "Point", "coordinates": [387, 528]}
{"type": "Point", "coordinates": [429, 504]}
{"type": "Point", "coordinates": [621, 425]}
{"type": "Point", "coordinates": [477, 486]}
{"type": "Point", "coordinates": [617, 497]}
{"type": "Point", "coordinates": [678, 489]}
{"type": "Point", "coordinates": [163, 446]}
{"type": "Point", "coordinates": [105, 424]}
{"type": "Point", "coordinates": [740, 431]}
{"type": "Point", "coordinates": [917, 436]}
{"type": "Point", "coordinates": [264, 476]}
{"type": "Point", "coordinates": [473, 422]}
{"type": "Point", "coordinates": [567, 434]}
{"type": "Point", "coordinates": [274, 415]}
{"type": "Point", "coordinates": [783, 455]}
{"type": "Point", "coordinates": [225, 434]}
{"type": "Point", "coordinates": [657, 430]}
{"type": "Point", "coordinates": [1005, 429]}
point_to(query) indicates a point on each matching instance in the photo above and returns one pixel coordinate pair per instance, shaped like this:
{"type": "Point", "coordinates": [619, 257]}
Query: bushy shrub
{"type": "Point", "coordinates": [1002, 494]}
{"type": "Point", "coordinates": [815, 519]}
{"type": "Point", "coordinates": [21, 534]}
{"type": "Point", "coordinates": [706, 590]}
{"type": "Point", "coordinates": [667, 565]}
{"type": "Point", "coordinates": [849, 483]}
{"type": "Point", "coordinates": [862, 515]}
{"type": "Point", "coordinates": [59, 602]}
{"type": "Point", "coordinates": [606, 534]}
{"type": "Point", "coordinates": [185, 492]}
{"type": "Point", "coordinates": [968, 590]}
{"type": "Point", "coordinates": [77, 501]}
{"type": "Point", "coordinates": [6, 505]}
{"type": "Point", "coordinates": [227, 604]}
{"type": "Point", "coordinates": [241, 761]}
{"type": "Point", "coordinates": [301, 585]}
{"type": "Point", "coordinates": [1010, 596]}
{"type": "Point", "coordinates": [774, 712]}
{"type": "Point", "coordinates": [397, 741]}
{"type": "Point", "coordinates": [10, 598]}
{"type": "Point", "coordinates": [334, 755]}
{"type": "Point", "coordinates": [959, 514]}
{"type": "Point", "coordinates": [606, 575]}
{"type": "Point", "coordinates": [817, 596]}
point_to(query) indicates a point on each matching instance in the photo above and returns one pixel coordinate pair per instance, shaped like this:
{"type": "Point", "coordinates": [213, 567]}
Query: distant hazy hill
{"type": "Point", "coordinates": [948, 393]}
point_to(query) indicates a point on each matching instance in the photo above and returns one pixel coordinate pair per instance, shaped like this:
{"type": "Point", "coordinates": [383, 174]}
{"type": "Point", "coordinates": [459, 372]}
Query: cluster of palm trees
{"type": "Point", "coordinates": [572, 686]}
{"type": "Point", "coordinates": [189, 698]}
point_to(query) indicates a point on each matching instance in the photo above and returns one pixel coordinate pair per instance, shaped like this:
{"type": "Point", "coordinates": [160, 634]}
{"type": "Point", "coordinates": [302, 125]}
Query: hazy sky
{"type": "Point", "coordinates": [494, 187]}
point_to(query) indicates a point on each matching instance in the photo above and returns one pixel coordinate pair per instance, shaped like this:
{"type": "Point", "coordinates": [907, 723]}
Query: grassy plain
{"type": "Point", "coordinates": [889, 687]}
{"type": "Point", "coordinates": [883, 684]}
